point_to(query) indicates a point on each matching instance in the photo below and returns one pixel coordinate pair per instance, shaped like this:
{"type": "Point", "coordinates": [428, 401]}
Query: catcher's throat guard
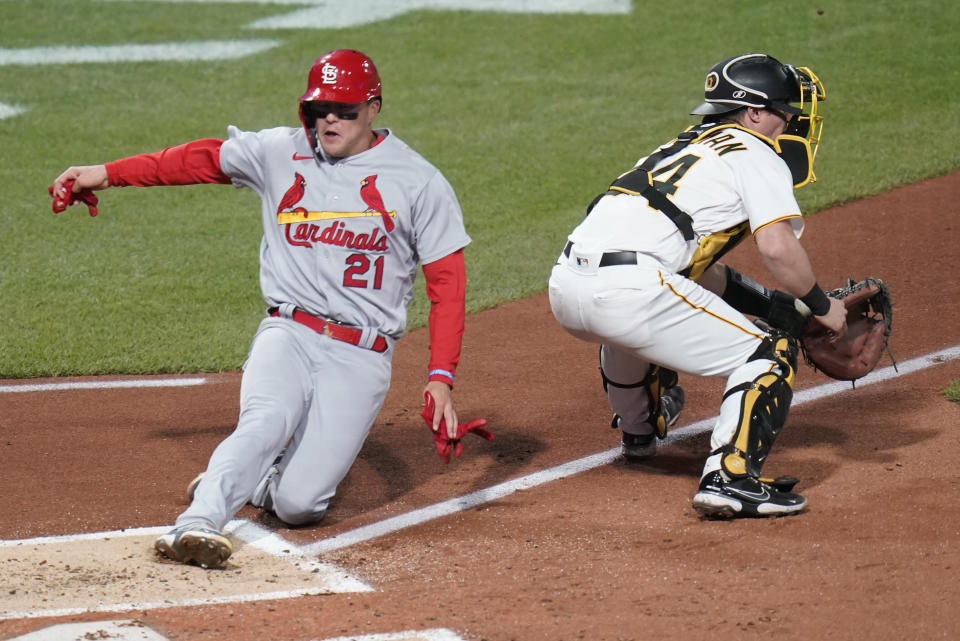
{"type": "Point", "coordinates": [799, 144]}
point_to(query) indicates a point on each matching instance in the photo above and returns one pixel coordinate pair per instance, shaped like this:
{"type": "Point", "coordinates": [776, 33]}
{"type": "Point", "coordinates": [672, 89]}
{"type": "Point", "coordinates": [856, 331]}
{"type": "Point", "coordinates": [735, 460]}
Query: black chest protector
{"type": "Point", "coordinates": [639, 182]}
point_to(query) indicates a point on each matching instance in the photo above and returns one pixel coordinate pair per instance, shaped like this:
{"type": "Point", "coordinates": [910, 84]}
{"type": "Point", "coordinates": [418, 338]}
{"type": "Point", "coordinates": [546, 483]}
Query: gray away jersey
{"type": "Point", "coordinates": [325, 245]}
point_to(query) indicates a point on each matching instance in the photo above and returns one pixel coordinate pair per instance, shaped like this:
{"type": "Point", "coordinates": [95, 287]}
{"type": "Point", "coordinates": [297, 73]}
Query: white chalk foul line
{"type": "Point", "coordinates": [72, 538]}
{"type": "Point", "coordinates": [118, 630]}
{"type": "Point", "coordinates": [98, 385]}
{"type": "Point", "coordinates": [460, 503]}
{"type": "Point", "coordinates": [132, 630]}
{"type": "Point", "coordinates": [433, 634]}
{"type": "Point", "coordinates": [275, 545]}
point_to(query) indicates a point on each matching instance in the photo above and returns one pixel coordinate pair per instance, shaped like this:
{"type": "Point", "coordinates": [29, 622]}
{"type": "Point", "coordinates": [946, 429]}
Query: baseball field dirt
{"type": "Point", "coordinates": [612, 552]}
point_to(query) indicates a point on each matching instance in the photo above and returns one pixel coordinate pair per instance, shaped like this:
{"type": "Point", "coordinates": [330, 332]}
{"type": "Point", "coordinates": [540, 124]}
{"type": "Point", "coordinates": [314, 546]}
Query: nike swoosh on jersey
{"type": "Point", "coordinates": [298, 157]}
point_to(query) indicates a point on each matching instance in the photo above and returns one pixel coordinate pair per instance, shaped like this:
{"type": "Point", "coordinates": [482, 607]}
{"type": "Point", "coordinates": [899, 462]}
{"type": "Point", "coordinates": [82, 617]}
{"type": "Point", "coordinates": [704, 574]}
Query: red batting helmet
{"type": "Point", "coordinates": [343, 75]}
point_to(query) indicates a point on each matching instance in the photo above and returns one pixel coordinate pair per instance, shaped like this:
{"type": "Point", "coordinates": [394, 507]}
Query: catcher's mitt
{"type": "Point", "coordinates": [869, 321]}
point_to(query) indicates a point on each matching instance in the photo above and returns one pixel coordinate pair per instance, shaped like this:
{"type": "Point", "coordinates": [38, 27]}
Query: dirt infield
{"type": "Point", "coordinates": [614, 552]}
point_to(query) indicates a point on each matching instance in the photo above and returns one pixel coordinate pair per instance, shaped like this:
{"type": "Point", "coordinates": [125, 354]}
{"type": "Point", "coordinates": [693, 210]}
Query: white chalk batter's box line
{"type": "Point", "coordinates": [306, 556]}
{"type": "Point", "coordinates": [130, 630]}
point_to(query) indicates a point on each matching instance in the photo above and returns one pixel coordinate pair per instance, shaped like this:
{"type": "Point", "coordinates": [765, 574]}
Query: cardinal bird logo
{"type": "Point", "coordinates": [371, 196]}
{"type": "Point", "coordinates": [293, 195]}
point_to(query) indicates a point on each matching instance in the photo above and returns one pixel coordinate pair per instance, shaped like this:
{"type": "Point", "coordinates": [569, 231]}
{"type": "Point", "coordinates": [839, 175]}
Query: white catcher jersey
{"type": "Point", "coordinates": [325, 246]}
{"type": "Point", "coordinates": [728, 183]}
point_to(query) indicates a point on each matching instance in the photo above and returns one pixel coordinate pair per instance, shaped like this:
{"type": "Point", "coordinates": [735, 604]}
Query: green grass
{"type": "Point", "coordinates": [528, 116]}
{"type": "Point", "coordinates": [952, 393]}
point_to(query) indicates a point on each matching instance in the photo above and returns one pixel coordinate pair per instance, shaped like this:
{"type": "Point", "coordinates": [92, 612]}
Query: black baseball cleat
{"type": "Point", "coordinates": [643, 446]}
{"type": "Point", "coordinates": [638, 446]}
{"type": "Point", "coordinates": [746, 496]}
{"type": "Point", "coordinates": [671, 402]}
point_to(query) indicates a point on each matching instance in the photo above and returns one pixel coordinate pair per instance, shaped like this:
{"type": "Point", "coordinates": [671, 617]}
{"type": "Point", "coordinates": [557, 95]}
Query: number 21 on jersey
{"type": "Point", "coordinates": [357, 273]}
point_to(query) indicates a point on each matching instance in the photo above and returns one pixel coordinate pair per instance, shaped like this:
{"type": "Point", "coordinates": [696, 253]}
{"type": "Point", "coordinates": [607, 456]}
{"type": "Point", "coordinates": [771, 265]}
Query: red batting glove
{"type": "Point", "coordinates": [445, 444]}
{"type": "Point", "coordinates": [86, 196]}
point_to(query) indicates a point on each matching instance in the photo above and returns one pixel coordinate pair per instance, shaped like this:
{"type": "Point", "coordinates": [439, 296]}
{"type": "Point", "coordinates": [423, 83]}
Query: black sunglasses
{"type": "Point", "coordinates": [313, 111]}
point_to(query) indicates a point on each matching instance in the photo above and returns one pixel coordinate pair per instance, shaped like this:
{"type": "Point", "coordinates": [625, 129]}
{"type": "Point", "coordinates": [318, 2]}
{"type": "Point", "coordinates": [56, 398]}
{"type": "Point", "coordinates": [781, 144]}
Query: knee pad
{"type": "Point", "coordinates": [657, 379]}
{"type": "Point", "coordinates": [764, 405]}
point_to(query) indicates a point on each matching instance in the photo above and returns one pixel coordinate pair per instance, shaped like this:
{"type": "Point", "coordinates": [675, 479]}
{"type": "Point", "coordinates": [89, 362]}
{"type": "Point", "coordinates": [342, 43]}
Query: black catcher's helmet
{"type": "Point", "coordinates": [756, 80]}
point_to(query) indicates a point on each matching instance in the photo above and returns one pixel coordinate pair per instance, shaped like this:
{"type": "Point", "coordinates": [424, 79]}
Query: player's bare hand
{"type": "Point", "coordinates": [443, 397]}
{"type": "Point", "coordinates": [87, 177]}
{"type": "Point", "coordinates": [835, 320]}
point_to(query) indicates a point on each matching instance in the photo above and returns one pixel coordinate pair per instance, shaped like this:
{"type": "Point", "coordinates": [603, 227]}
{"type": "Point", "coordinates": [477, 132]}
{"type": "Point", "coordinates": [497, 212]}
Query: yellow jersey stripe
{"type": "Point", "coordinates": [705, 310]}
{"type": "Point", "coordinates": [287, 217]}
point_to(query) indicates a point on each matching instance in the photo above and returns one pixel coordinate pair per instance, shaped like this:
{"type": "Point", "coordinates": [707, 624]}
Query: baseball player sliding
{"type": "Point", "coordinates": [640, 275]}
{"type": "Point", "coordinates": [347, 212]}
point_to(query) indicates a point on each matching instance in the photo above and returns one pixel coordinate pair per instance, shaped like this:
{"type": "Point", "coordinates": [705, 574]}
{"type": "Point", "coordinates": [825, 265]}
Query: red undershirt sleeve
{"type": "Point", "coordinates": [446, 288]}
{"type": "Point", "coordinates": [192, 163]}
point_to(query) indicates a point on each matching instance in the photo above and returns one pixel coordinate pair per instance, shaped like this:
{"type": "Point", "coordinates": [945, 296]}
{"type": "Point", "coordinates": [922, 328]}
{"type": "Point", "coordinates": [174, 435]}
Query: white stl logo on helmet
{"type": "Point", "coordinates": [329, 74]}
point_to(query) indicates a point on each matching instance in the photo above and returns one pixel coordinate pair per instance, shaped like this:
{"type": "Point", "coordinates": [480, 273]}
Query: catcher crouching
{"type": "Point", "coordinates": [641, 275]}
